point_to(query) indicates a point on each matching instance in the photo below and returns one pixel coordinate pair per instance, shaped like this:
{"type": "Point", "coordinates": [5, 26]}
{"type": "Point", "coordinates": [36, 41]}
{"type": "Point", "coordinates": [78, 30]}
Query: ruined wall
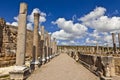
{"type": "Point", "coordinates": [10, 39]}
{"type": "Point", "coordinates": [100, 65]}
{"type": "Point", "coordinates": [29, 41]}
{"type": "Point", "coordinates": [8, 43]}
{"type": "Point", "coordinates": [117, 65]}
{"type": "Point", "coordinates": [2, 23]}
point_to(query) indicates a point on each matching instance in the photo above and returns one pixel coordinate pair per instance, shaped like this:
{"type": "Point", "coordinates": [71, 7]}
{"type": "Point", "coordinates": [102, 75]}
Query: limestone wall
{"type": "Point", "coordinates": [8, 43]}
{"type": "Point", "coordinates": [13, 40]}
{"type": "Point", "coordinates": [117, 65]}
{"type": "Point", "coordinates": [101, 65]}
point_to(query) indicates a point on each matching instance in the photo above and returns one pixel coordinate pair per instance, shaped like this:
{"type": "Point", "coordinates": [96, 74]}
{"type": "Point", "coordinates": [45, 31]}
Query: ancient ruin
{"type": "Point", "coordinates": [27, 50]}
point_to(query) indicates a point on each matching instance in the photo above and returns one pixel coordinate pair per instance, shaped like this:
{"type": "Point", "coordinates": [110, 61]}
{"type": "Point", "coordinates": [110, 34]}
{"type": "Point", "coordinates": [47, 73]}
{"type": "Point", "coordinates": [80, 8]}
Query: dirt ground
{"type": "Point", "coordinates": [62, 67]}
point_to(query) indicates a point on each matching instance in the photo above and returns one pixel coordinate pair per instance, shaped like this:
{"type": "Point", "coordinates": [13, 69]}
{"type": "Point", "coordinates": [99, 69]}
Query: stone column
{"type": "Point", "coordinates": [21, 71]}
{"type": "Point", "coordinates": [108, 48]}
{"type": "Point", "coordinates": [114, 44]}
{"type": "Point", "coordinates": [42, 45]}
{"type": "Point", "coordinates": [49, 46]}
{"type": "Point", "coordinates": [46, 46]}
{"type": "Point", "coordinates": [97, 48]}
{"type": "Point", "coordinates": [35, 62]}
{"type": "Point", "coordinates": [52, 48]}
{"type": "Point", "coordinates": [55, 47]}
{"type": "Point", "coordinates": [119, 40]}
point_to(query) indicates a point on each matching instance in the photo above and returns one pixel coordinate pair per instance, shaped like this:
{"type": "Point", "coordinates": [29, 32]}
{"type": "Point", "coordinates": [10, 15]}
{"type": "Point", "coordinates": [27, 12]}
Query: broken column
{"type": "Point", "coordinates": [35, 62]}
{"type": "Point", "coordinates": [21, 71]}
{"type": "Point", "coordinates": [114, 44]}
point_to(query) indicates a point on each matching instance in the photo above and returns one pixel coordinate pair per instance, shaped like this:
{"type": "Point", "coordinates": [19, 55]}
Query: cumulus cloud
{"type": "Point", "coordinates": [30, 19]}
{"type": "Point", "coordinates": [42, 16]}
{"type": "Point", "coordinates": [14, 23]}
{"type": "Point", "coordinates": [8, 23]}
{"type": "Point", "coordinates": [67, 42]}
{"type": "Point", "coordinates": [16, 18]}
{"type": "Point", "coordinates": [97, 19]}
{"type": "Point", "coordinates": [30, 26]}
{"type": "Point", "coordinates": [96, 13]}
{"type": "Point", "coordinates": [101, 38]}
{"type": "Point", "coordinates": [69, 30]}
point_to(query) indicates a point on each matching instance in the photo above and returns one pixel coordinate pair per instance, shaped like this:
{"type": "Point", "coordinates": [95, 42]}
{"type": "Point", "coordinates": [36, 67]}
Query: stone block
{"type": "Point", "coordinates": [19, 74]}
{"type": "Point", "coordinates": [105, 78]}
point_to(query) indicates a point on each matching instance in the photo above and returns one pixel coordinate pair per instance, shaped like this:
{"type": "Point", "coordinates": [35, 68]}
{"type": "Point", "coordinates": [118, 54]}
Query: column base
{"type": "Point", "coordinates": [105, 78]}
{"type": "Point", "coordinates": [19, 73]}
{"type": "Point", "coordinates": [34, 65]}
{"type": "Point", "coordinates": [48, 59]}
{"type": "Point", "coordinates": [43, 61]}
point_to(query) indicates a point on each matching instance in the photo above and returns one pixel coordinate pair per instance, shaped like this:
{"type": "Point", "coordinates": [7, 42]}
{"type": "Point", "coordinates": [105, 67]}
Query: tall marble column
{"type": "Point", "coordinates": [21, 71]}
{"type": "Point", "coordinates": [35, 62]}
{"type": "Point", "coordinates": [114, 44]}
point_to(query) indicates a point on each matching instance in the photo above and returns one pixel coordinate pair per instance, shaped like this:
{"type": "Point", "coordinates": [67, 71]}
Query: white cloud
{"type": "Point", "coordinates": [97, 20]}
{"type": "Point", "coordinates": [8, 23]}
{"type": "Point", "coordinates": [30, 26]}
{"type": "Point", "coordinates": [69, 30]}
{"type": "Point", "coordinates": [14, 24]}
{"type": "Point", "coordinates": [74, 17]}
{"type": "Point", "coordinates": [96, 13]}
{"type": "Point", "coordinates": [16, 18]}
{"type": "Point", "coordinates": [42, 16]}
{"type": "Point", "coordinates": [30, 19]}
{"type": "Point", "coordinates": [68, 42]}
{"type": "Point", "coordinates": [102, 38]}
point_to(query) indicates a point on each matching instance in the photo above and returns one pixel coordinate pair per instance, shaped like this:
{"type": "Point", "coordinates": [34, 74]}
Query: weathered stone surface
{"type": "Point", "coordinates": [20, 71]}
{"type": "Point", "coordinates": [21, 38]}
{"type": "Point", "coordinates": [114, 44]}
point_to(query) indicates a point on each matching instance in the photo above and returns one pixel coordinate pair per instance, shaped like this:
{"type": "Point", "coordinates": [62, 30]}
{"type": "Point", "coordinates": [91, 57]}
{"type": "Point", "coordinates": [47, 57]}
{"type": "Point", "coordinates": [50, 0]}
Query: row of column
{"type": "Point", "coordinates": [43, 47]}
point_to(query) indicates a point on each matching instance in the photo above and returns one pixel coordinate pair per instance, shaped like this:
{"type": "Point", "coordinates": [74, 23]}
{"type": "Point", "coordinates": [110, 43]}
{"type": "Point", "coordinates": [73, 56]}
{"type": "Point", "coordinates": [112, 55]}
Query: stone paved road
{"type": "Point", "coordinates": [62, 67]}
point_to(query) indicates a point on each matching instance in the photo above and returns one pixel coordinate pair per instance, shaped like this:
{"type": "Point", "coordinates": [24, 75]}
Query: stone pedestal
{"type": "Point", "coordinates": [19, 73]}
{"type": "Point", "coordinates": [34, 65]}
{"type": "Point", "coordinates": [105, 78]}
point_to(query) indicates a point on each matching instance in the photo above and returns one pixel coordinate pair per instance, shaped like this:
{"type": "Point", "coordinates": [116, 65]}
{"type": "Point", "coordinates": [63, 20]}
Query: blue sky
{"type": "Point", "coordinates": [72, 22]}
